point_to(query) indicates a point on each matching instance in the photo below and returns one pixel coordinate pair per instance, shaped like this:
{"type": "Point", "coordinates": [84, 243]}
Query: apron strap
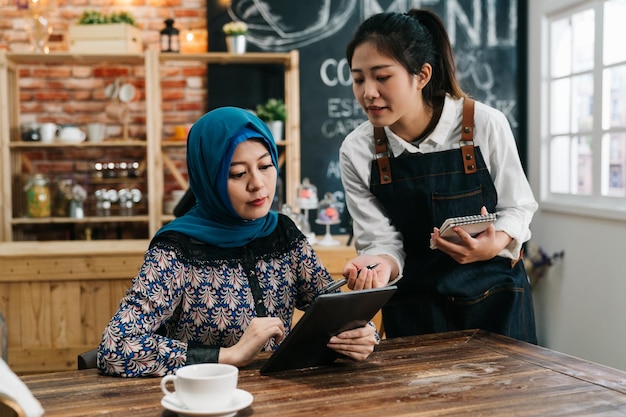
{"type": "Point", "coordinates": [467, 149]}
{"type": "Point", "coordinates": [382, 155]}
{"type": "Point", "coordinates": [467, 135]}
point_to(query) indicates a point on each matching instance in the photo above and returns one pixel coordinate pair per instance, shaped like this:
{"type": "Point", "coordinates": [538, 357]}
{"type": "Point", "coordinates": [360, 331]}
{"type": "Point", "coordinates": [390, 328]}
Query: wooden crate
{"type": "Point", "coordinates": [110, 38]}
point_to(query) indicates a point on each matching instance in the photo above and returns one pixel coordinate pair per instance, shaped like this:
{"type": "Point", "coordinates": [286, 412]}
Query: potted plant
{"type": "Point", "coordinates": [94, 17]}
{"type": "Point", "coordinates": [235, 32]}
{"type": "Point", "coordinates": [274, 113]}
{"type": "Point", "coordinates": [116, 32]}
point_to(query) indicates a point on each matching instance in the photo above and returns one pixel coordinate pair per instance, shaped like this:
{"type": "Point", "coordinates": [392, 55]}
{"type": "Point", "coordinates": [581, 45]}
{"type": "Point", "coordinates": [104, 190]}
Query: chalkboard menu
{"type": "Point", "coordinates": [485, 35]}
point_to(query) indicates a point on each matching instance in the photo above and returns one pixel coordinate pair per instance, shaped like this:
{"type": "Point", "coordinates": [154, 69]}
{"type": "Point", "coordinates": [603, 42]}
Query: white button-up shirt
{"type": "Point", "coordinates": [375, 235]}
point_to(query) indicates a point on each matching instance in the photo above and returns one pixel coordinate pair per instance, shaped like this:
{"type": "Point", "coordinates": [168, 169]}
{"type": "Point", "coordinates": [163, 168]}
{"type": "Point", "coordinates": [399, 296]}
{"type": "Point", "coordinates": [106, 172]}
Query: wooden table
{"type": "Point", "coordinates": [464, 373]}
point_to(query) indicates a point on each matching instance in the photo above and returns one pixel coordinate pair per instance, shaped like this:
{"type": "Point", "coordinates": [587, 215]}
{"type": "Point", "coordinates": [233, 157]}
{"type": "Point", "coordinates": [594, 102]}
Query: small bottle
{"type": "Point", "coordinates": [38, 200]}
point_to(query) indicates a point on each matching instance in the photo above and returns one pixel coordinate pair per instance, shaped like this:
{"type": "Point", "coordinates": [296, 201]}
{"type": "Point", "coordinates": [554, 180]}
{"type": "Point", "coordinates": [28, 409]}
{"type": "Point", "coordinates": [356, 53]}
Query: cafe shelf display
{"type": "Point", "coordinates": [123, 176]}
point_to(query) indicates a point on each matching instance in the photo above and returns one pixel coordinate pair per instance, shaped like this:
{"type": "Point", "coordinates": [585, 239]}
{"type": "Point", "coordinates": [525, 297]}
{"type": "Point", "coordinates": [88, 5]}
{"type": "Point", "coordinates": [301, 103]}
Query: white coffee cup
{"type": "Point", "coordinates": [205, 386]}
{"type": "Point", "coordinates": [96, 132]}
{"type": "Point", "coordinates": [48, 132]}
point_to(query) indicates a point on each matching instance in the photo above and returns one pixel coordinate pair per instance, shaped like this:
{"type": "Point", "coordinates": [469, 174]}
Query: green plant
{"type": "Point", "coordinates": [94, 17]}
{"type": "Point", "coordinates": [123, 17]}
{"type": "Point", "coordinates": [272, 110]}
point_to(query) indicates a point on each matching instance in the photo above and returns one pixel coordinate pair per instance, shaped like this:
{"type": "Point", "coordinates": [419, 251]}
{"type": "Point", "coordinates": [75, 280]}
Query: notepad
{"type": "Point", "coordinates": [473, 225]}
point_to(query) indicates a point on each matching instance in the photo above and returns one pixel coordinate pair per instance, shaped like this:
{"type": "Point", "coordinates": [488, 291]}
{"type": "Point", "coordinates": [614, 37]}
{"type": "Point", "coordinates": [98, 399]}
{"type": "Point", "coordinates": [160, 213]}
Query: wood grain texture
{"type": "Point", "coordinates": [453, 374]}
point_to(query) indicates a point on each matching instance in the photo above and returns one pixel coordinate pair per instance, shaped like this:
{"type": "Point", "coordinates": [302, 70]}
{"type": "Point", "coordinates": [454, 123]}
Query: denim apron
{"type": "Point", "coordinates": [436, 294]}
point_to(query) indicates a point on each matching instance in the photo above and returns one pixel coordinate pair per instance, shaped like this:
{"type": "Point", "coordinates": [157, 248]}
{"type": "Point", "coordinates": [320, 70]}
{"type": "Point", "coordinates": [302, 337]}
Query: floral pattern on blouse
{"type": "Point", "coordinates": [187, 291]}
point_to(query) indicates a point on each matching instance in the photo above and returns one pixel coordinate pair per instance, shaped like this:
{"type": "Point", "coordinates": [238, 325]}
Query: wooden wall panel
{"type": "Point", "coordinates": [65, 314]}
{"type": "Point", "coordinates": [94, 300]}
{"type": "Point", "coordinates": [12, 316]}
{"type": "Point", "coordinates": [35, 303]}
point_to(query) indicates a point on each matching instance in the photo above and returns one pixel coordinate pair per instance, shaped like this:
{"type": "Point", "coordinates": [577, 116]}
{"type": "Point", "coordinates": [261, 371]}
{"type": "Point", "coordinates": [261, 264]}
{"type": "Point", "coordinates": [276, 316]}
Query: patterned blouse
{"type": "Point", "coordinates": [191, 298]}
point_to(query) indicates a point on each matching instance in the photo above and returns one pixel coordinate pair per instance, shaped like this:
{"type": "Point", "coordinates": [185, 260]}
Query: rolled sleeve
{"type": "Point", "coordinates": [516, 202]}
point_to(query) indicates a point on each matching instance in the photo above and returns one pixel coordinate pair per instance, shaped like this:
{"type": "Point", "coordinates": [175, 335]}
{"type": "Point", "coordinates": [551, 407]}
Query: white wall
{"type": "Point", "coordinates": [580, 304]}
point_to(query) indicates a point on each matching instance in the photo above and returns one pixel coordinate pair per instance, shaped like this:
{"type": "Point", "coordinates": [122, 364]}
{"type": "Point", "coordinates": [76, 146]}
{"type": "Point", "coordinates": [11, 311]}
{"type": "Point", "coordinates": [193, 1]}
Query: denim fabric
{"type": "Point", "coordinates": [437, 294]}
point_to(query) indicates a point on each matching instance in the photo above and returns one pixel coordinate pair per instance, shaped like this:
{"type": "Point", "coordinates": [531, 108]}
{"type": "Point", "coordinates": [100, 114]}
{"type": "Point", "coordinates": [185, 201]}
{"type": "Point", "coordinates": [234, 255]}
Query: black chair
{"type": "Point", "coordinates": [88, 360]}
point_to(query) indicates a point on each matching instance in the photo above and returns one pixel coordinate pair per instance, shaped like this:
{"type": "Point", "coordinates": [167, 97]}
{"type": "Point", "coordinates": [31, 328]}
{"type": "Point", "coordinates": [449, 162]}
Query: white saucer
{"type": "Point", "coordinates": [240, 400]}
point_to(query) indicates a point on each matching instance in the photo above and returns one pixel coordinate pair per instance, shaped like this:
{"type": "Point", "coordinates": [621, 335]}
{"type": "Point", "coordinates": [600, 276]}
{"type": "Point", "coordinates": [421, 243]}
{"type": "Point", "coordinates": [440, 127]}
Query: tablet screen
{"type": "Point", "coordinates": [330, 314]}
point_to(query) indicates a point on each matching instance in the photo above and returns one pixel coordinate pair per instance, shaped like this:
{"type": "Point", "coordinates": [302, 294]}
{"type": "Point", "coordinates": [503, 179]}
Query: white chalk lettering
{"type": "Point", "coordinates": [333, 170]}
{"type": "Point", "coordinates": [333, 72]}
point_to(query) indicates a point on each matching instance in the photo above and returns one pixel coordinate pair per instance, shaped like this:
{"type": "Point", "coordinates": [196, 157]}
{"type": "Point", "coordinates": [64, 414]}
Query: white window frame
{"type": "Point", "coordinates": [594, 205]}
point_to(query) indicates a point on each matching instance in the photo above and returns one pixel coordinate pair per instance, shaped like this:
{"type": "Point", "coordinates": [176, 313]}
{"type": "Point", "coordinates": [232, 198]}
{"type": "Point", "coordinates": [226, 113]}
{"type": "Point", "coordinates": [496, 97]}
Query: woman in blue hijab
{"type": "Point", "coordinates": [220, 284]}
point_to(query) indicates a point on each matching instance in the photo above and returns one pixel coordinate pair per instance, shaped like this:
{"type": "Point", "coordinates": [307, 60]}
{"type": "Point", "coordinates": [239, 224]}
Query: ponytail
{"type": "Point", "coordinates": [444, 69]}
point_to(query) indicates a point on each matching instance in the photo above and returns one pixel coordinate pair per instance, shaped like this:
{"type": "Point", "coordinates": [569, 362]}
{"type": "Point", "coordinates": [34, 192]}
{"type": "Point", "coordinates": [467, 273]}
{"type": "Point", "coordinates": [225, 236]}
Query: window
{"type": "Point", "coordinates": [586, 133]}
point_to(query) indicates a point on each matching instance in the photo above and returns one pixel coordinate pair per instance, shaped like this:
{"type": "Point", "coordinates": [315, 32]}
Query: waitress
{"type": "Point", "coordinates": [426, 153]}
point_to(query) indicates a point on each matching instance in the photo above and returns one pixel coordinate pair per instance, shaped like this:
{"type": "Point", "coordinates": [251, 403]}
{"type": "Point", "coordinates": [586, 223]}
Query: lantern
{"type": "Point", "coordinates": [169, 37]}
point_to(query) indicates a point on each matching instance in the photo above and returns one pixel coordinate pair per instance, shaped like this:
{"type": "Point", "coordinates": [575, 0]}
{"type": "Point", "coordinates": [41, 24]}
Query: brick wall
{"type": "Point", "coordinates": [76, 94]}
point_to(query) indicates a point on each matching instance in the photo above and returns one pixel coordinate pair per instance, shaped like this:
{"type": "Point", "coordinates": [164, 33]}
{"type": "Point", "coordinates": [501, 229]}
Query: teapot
{"type": "Point", "coordinates": [72, 134]}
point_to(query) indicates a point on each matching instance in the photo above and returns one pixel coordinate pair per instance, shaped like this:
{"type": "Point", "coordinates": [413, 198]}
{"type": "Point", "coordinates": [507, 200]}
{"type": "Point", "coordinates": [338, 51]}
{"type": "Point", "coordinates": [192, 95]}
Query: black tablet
{"type": "Point", "coordinates": [330, 314]}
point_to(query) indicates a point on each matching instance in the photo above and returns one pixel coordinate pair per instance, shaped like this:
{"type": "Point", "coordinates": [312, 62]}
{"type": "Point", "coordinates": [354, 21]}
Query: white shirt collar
{"type": "Point", "coordinates": [449, 116]}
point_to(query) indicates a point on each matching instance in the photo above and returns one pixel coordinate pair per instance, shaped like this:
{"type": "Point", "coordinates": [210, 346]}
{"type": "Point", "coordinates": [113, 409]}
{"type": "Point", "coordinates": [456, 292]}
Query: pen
{"type": "Point", "coordinates": [341, 282]}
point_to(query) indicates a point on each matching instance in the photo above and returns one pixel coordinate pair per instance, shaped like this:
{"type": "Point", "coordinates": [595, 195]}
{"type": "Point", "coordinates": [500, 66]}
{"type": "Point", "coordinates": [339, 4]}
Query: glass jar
{"type": "Point", "coordinates": [307, 195]}
{"type": "Point", "coordinates": [328, 211]}
{"type": "Point", "coordinates": [38, 200]}
{"type": "Point", "coordinates": [62, 197]}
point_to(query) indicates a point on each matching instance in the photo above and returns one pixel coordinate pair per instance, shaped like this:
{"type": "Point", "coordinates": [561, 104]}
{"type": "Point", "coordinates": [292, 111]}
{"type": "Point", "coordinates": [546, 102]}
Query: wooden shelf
{"type": "Point", "coordinates": [283, 58]}
{"type": "Point", "coordinates": [68, 58]}
{"type": "Point", "coordinates": [63, 145]}
{"type": "Point", "coordinates": [13, 151]}
{"type": "Point", "coordinates": [84, 220]}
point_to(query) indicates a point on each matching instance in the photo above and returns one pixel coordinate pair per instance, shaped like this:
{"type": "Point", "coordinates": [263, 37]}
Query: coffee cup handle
{"type": "Point", "coordinates": [164, 381]}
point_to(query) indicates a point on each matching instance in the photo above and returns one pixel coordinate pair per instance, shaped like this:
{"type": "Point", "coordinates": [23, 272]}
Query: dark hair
{"type": "Point", "coordinates": [413, 39]}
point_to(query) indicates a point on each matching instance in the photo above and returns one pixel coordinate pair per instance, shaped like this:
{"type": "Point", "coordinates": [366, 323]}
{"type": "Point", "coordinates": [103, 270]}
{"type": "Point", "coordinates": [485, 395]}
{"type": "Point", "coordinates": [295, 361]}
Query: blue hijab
{"type": "Point", "coordinates": [210, 146]}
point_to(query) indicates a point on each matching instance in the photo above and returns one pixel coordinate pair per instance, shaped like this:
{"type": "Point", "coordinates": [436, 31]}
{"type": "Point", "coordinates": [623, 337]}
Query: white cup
{"type": "Point", "coordinates": [127, 93]}
{"type": "Point", "coordinates": [48, 132]}
{"type": "Point", "coordinates": [205, 386]}
{"type": "Point", "coordinates": [95, 132]}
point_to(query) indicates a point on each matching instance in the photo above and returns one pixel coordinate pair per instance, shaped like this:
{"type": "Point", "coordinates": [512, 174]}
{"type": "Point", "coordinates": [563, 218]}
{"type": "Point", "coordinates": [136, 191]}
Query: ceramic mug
{"type": "Point", "coordinates": [96, 132]}
{"type": "Point", "coordinates": [116, 111]}
{"type": "Point", "coordinates": [180, 132]}
{"type": "Point", "coordinates": [127, 93]}
{"type": "Point", "coordinates": [30, 132]}
{"type": "Point", "coordinates": [48, 132]}
{"type": "Point", "coordinates": [204, 386]}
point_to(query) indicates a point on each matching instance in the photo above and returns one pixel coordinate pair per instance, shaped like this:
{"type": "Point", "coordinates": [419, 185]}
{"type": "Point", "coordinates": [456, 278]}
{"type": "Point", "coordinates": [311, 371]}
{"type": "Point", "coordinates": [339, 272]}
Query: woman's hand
{"type": "Point", "coordinates": [382, 269]}
{"type": "Point", "coordinates": [260, 330]}
{"type": "Point", "coordinates": [482, 247]}
{"type": "Point", "coordinates": [356, 344]}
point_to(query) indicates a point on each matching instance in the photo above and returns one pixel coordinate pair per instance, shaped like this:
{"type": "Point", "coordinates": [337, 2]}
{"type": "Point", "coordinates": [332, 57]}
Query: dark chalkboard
{"type": "Point", "coordinates": [490, 65]}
